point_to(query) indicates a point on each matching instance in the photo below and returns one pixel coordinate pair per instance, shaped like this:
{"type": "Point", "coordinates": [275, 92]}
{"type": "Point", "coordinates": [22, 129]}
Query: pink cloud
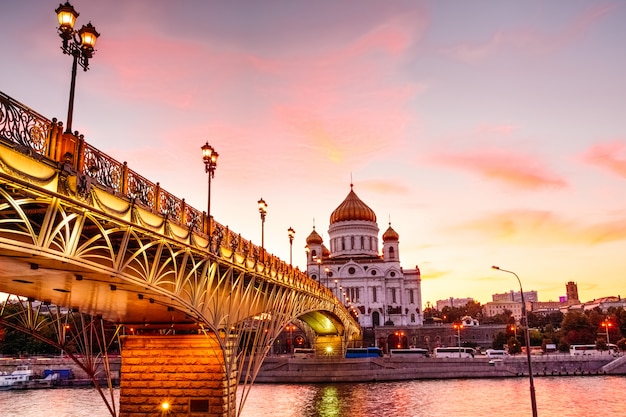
{"type": "Point", "coordinates": [609, 156]}
{"type": "Point", "coordinates": [517, 170]}
{"type": "Point", "coordinates": [529, 227]}
{"type": "Point", "coordinates": [529, 39]}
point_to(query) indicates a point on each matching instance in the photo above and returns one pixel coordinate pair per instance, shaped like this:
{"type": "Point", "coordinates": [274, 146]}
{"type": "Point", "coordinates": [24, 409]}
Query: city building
{"type": "Point", "coordinates": [499, 307]}
{"type": "Point", "coordinates": [453, 302]}
{"type": "Point", "coordinates": [529, 296]}
{"type": "Point", "coordinates": [359, 274]}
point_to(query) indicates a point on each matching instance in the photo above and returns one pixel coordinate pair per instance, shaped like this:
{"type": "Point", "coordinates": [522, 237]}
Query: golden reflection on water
{"type": "Point", "coordinates": [575, 396]}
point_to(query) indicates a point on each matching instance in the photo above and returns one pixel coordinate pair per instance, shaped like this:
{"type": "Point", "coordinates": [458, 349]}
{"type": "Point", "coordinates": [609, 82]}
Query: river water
{"type": "Point", "coordinates": [574, 396]}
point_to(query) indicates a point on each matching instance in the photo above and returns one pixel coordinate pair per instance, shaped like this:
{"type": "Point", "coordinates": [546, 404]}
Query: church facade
{"type": "Point", "coordinates": [370, 281]}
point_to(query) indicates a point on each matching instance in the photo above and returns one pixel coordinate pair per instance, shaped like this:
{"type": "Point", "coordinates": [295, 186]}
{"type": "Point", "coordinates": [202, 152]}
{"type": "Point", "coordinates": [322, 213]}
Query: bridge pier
{"type": "Point", "coordinates": [180, 375]}
{"type": "Point", "coordinates": [329, 346]}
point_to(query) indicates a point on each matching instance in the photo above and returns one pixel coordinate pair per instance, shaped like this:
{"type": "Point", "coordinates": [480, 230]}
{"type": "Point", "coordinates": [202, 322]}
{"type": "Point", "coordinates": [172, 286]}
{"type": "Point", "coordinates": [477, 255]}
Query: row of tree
{"type": "Point", "coordinates": [563, 330]}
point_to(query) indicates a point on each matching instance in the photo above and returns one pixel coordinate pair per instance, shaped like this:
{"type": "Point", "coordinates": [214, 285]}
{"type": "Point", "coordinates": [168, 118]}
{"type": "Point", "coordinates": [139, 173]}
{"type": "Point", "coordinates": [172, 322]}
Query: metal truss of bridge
{"type": "Point", "coordinates": [83, 232]}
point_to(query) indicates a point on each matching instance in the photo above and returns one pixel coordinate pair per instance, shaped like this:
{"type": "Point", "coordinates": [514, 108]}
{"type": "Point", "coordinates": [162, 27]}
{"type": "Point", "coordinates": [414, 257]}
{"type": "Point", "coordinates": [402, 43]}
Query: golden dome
{"type": "Point", "coordinates": [314, 238]}
{"type": "Point", "coordinates": [352, 208]}
{"type": "Point", "coordinates": [390, 235]}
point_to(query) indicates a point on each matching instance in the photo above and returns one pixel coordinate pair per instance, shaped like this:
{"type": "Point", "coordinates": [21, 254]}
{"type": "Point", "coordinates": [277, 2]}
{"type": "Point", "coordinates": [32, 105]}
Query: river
{"type": "Point", "coordinates": [574, 396]}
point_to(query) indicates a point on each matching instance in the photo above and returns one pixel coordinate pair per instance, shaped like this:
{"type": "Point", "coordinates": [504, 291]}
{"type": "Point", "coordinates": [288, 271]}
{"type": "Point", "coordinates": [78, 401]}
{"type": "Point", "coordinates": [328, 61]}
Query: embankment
{"type": "Point", "coordinates": [315, 370]}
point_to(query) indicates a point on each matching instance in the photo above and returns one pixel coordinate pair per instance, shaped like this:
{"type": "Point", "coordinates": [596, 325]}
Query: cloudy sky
{"type": "Point", "coordinates": [486, 132]}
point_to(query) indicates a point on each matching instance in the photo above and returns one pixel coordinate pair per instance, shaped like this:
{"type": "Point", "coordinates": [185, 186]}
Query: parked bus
{"type": "Point", "coordinates": [370, 352]}
{"type": "Point", "coordinates": [589, 350]}
{"type": "Point", "coordinates": [409, 353]}
{"type": "Point", "coordinates": [494, 353]}
{"type": "Point", "coordinates": [454, 352]}
{"type": "Point", "coordinates": [303, 353]}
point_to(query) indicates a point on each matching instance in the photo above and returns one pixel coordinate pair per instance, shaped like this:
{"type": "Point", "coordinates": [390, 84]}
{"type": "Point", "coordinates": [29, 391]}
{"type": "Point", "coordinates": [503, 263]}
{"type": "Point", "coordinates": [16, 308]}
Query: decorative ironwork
{"type": "Point", "coordinates": [22, 126]}
{"type": "Point", "coordinates": [141, 190]}
{"type": "Point", "coordinates": [103, 169]}
{"type": "Point", "coordinates": [170, 206]}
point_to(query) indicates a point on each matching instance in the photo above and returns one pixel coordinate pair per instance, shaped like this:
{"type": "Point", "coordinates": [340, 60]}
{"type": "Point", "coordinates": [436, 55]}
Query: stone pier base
{"type": "Point", "coordinates": [175, 376]}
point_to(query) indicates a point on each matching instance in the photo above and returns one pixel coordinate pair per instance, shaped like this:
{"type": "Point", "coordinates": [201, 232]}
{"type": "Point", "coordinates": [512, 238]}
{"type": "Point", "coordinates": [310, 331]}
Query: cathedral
{"type": "Point", "coordinates": [372, 283]}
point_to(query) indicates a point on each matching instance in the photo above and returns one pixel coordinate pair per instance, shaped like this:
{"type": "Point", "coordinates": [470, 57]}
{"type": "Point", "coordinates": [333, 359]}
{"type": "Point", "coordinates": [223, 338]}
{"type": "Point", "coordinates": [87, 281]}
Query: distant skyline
{"type": "Point", "coordinates": [486, 132]}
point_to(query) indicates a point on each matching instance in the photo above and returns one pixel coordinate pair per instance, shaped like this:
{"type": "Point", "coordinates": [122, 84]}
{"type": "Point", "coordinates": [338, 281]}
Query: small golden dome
{"type": "Point", "coordinates": [352, 208]}
{"type": "Point", "coordinates": [390, 235]}
{"type": "Point", "coordinates": [314, 238]}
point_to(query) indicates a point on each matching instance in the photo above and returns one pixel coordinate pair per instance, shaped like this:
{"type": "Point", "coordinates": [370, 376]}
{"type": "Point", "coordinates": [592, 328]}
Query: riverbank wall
{"type": "Point", "coordinates": [284, 369]}
{"type": "Point", "coordinates": [320, 370]}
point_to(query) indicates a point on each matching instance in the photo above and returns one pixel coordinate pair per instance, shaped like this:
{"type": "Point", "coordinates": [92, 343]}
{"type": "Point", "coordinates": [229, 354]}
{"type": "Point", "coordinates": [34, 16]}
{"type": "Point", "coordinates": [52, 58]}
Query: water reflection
{"type": "Point", "coordinates": [556, 396]}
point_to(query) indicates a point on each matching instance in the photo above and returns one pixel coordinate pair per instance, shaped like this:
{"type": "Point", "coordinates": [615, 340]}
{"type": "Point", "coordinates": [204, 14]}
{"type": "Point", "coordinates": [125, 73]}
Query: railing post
{"type": "Point", "coordinates": [124, 185]}
{"type": "Point", "coordinates": [79, 149]}
{"type": "Point", "coordinates": [157, 198]}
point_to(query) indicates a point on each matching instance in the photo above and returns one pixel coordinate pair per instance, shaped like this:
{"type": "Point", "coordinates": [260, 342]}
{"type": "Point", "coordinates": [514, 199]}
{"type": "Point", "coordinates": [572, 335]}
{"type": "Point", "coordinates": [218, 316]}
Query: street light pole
{"type": "Point", "coordinates": [79, 44]}
{"type": "Point", "coordinates": [606, 324]}
{"type": "Point", "coordinates": [291, 233]}
{"type": "Point", "coordinates": [533, 400]}
{"type": "Point", "coordinates": [263, 211]}
{"type": "Point", "coordinates": [209, 156]}
{"type": "Point", "coordinates": [458, 327]}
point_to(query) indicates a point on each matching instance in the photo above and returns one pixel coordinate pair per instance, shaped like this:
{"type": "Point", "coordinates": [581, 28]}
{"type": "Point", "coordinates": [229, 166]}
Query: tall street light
{"type": "Point", "coordinates": [533, 400]}
{"type": "Point", "coordinates": [209, 157]}
{"type": "Point", "coordinates": [263, 211]}
{"type": "Point", "coordinates": [458, 327]}
{"type": "Point", "coordinates": [79, 44]}
{"type": "Point", "coordinates": [291, 233]}
{"type": "Point", "coordinates": [606, 324]}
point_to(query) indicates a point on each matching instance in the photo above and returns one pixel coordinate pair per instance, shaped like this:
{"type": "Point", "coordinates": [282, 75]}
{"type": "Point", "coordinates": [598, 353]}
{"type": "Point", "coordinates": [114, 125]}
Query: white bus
{"type": "Point", "coordinates": [454, 352]}
{"type": "Point", "coordinates": [494, 353]}
{"type": "Point", "coordinates": [591, 350]}
{"type": "Point", "coordinates": [409, 353]}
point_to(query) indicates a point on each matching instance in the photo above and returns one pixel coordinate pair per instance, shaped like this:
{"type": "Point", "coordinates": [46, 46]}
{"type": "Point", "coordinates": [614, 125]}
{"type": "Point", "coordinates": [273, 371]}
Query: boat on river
{"type": "Point", "coordinates": [24, 378]}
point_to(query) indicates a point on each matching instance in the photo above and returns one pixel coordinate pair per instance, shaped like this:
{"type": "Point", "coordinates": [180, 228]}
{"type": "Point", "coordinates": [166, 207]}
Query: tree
{"type": "Point", "coordinates": [499, 341]}
{"type": "Point", "coordinates": [514, 346]}
{"type": "Point", "coordinates": [577, 328]}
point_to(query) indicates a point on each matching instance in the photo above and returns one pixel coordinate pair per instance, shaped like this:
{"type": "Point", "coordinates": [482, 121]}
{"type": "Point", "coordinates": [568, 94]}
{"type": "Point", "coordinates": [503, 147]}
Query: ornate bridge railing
{"type": "Point", "coordinates": [33, 134]}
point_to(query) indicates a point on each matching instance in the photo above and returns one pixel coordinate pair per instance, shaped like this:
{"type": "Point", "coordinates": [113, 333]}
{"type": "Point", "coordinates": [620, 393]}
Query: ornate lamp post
{"type": "Point", "coordinates": [606, 324]}
{"type": "Point", "coordinates": [263, 211]}
{"type": "Point", "coordinates": [79, 44]}
{"type": "Point", "coordinates": [209, 157]}
{"type": "Point", "coordinates": [291, 233]}
{"type": "Point", "coordinates": [458, 327]}
{"type": "Point", "coordinates": [533, 401]}
{"type": "Point", "coordinates": [291, 328]}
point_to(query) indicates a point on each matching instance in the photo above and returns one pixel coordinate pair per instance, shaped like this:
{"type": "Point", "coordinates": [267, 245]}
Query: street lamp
{"type": "Point", "coordinates": [291, 328]}
{"type": "Point", "coordinates": [458, 327]}
{"type": "Point", "coordinates": [263, 211]}
{"type": "Point", "coordinates": [79, 44]}
{"type": "Point", "coordinates": [533, 400]}
{"type": "Point", "coordinates": [606, 324]}
{"type": "Point", "coordinates": [291, 233]}
{"type": "Point", "coordinates": [209, 157]}
{"type": "Point", "coordinates": [327, 271]}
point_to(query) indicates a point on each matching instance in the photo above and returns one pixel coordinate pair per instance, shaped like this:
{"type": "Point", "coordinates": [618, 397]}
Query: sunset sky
{"type": "Point", "coordinates": [486, 132]}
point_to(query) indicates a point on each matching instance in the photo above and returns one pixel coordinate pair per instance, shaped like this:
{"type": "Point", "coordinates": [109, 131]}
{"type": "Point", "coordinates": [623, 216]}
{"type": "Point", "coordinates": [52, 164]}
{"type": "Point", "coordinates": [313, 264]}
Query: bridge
{"type": "Point", "coordinates": [98, 253]}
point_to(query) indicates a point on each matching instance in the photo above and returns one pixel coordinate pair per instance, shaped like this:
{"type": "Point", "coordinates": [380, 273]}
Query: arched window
{"type": "Point", "coordinates": [343, 243]}
{"type": "Point", "coordinates": [362, 242]}
{"type": "Point", "coordinates": [391, 253]}
{"type": "Point", "coordinates": [352, 242]}
{"type": "Point", "coordinates": [375, 318]}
